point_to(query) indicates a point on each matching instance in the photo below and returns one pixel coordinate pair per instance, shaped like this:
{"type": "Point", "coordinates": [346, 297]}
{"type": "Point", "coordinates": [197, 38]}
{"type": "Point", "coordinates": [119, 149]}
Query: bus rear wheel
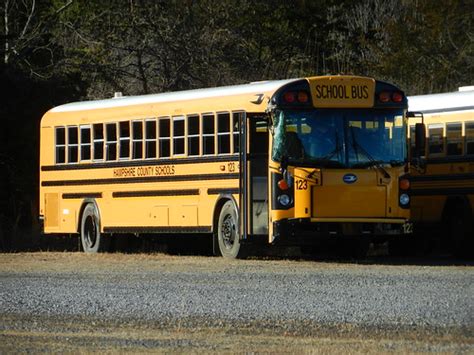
{"type": "Point", "coordinates": [460, 230]}
{"type": "Point", "coordinates": [228, 231]}
{"type": "Point", "coordinates": [92, 240]}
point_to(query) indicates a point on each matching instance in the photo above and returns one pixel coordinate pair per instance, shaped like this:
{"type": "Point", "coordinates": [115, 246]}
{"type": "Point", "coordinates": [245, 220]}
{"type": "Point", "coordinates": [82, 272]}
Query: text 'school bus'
{"type": "Point", "coordinates": [287, 161]}
{"type": "Point", "coordinates": [443, 186]}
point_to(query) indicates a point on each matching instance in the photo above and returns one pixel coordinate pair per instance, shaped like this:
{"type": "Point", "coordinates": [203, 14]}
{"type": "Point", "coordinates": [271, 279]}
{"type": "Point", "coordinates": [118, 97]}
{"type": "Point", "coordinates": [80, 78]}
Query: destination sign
{"type": "Point", "coordinates": [342, 91]}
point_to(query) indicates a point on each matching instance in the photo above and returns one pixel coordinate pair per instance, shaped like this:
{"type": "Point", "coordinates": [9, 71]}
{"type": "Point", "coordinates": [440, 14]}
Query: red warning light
{"type": "Point", "coordinates": [397, 97]}
{"type": "Point", "coordinates": [384, 96]}
{"type": "Point", "coordinates": [289, 97]}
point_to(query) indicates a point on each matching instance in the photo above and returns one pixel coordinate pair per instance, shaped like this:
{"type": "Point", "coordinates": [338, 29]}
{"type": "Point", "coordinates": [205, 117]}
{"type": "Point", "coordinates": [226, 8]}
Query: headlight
{"type": "Point", "coordinates": [404, 199]}
{"type": "Point", "coordinates": [284, 200]}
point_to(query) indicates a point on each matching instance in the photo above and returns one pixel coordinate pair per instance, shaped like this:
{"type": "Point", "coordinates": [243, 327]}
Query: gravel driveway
{"type": "Point", "coordinates": [276, 296]}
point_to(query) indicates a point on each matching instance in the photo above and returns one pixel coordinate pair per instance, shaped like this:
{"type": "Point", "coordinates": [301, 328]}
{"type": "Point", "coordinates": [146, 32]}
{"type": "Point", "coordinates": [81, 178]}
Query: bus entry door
{"type": "Point", "coordinates": [254, 175]}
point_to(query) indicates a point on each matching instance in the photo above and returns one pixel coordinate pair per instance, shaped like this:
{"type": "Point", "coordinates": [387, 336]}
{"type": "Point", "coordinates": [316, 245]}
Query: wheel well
{"type": "Point", "coordinates": [217, 210]}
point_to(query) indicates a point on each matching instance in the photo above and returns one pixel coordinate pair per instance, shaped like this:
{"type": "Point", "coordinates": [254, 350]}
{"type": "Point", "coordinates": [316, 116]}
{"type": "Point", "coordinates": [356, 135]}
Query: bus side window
{"type": "Point", "coordinates": [470, 137]}
{"type": "Point", "coordinates": [435, 142]}
{"type": "Point", "coordinates": [193, 135]}
{"type": "Point", "coordinates": [111, 141]}
{"type": "Point", "coordinates": [164, 137]}
{"type": "Point", "coordinates": [208, 134]}
{"type": "Point", "coordinates": [223, 133]}
{"type": "Point", "coordinates": [60, 145]}
{"type": "Point", "coordinates": [72, 145]}
{"type": "Point", "coordinates": [124, 128]}
{"type": "Point", "coordinates": [178, 135]}
{"type": "Point", "coordinates": [137, 140]}
{"type": "Point", "coordinates": [85, 143]}
{"type": "Point", "coordinates": [150, 139]}
{"type": "Point", "coordinates": [98, 133]}
{"type": "Point", "coordinates": [235, 130]}
{"type": "Point", "coordinates": [454, 138]}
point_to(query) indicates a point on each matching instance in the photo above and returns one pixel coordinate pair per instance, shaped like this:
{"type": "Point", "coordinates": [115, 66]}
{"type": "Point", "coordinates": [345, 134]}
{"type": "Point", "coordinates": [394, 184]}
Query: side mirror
{"type": "Point", "coordinates": [420, 139]}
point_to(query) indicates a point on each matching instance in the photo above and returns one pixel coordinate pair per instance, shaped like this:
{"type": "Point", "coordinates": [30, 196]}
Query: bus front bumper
{"type": "Point", "coordinates": [311, 230]}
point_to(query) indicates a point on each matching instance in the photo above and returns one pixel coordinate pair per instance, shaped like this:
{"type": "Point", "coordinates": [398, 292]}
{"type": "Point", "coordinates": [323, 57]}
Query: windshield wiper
{"type": "Point", "coordinates": [397, 162]}
{"type": "Point", "coordinates": [377, 163]}
{"type": "Point", "coordinates": [322, 162]}
{"type": "Point", "coordinates": [367, 164]}
{"type": "Point", "coordinates": [326, 161]}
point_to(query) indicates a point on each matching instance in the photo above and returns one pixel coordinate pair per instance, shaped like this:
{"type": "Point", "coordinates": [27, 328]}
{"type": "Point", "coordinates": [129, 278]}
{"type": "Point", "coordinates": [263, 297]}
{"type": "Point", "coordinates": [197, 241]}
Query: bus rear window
{"type": "Point", "coordinates": [60, 145]}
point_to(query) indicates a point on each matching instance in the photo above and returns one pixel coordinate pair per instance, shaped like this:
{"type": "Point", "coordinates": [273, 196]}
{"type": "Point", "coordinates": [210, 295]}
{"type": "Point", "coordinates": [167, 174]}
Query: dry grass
{"type": "Point", "coordinates": [86, 335]}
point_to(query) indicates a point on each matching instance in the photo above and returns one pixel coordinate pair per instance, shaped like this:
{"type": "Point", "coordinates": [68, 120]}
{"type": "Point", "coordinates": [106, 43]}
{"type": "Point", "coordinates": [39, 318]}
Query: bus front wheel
{"type": "Point", "coordinates": [228, 231]}
{"type": "Point", "coordinates": [92, 240]}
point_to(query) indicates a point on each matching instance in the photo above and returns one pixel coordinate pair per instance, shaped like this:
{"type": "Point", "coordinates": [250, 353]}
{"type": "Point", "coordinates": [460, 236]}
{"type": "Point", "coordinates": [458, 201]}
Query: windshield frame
{"type": "Point", "coordinates": [349, 131]}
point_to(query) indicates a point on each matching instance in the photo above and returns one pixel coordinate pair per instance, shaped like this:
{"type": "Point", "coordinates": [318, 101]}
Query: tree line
{"type": "Point", "coordinates": [58, 51]}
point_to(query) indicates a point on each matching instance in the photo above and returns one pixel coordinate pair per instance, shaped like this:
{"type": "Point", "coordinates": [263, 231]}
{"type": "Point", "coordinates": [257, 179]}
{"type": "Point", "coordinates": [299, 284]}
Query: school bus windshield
{"type": "Point", "coordinates": [340, 138]}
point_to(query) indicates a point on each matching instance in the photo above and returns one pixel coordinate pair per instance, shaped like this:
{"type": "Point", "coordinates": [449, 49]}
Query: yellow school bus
{"type": "Point", "coordinates": [288, 162]}
{"type": "Point", "coordinates": [443, 186]}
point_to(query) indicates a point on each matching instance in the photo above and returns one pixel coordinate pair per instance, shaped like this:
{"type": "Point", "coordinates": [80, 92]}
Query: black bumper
{"type": "Point", "coordinates": [305, 232]}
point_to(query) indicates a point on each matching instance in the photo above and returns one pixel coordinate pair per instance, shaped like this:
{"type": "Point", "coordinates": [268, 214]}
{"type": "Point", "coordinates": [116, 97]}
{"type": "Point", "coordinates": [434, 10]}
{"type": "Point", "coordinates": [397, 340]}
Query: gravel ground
{"type": "Point", "coordinates": [269, 297]}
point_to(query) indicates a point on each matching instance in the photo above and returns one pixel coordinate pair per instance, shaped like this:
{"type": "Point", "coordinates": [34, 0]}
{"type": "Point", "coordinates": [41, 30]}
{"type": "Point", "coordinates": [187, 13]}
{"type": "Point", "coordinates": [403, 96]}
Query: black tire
{"type": "Point", "coordinates": [354, 247]}
{"type": "Point", "coordinates": [399, 246]}
{"type": "Point", "coordinates": [92, 241]}
{"type": "Point", "coordinates": [460, 234]}
{"type": "Point", "coordinates": [228, 231]}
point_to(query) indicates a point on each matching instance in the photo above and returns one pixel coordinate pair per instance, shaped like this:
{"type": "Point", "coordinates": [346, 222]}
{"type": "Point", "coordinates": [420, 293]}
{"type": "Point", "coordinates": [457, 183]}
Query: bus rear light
{"type": "Point", "coordinates": [303, 97]}
{"type": "Point", "coordinates": [283, 185]}
{"type": "Point", "coordinates": [404, 184]}
{"type": "Point", "coordinates": [384, 96]}
{"type": "Point", "coordinates": [289, 97]}
{"type": "Point", "coordinates": [397, 97]}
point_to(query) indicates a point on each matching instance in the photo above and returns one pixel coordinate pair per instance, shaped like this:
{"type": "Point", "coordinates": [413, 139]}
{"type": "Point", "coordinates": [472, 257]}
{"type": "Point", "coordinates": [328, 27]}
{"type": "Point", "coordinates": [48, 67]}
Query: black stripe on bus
{"type": "Point", "coordinates": [153, 229]}
{"type": "Point", "coordinates": [197, 177]}
{"type": "Point", "coordinates": [156, 193]}
{"type": "Point", "coordinates": [120, 164]}
{"type": "Point", "coordinates": [450, 191]}
{"type": "Point", "coordinates": [218, 191]}
{"type": "Point", "coordinates": [443, 177]}
{"type": "Point", "coordinates": [70, 196]}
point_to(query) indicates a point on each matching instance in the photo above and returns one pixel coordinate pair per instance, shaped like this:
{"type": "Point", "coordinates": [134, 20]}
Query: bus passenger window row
{"type": "Point", "coordinates": [163, 137]}
{"type": "Point", "coordinates": [446, 139]}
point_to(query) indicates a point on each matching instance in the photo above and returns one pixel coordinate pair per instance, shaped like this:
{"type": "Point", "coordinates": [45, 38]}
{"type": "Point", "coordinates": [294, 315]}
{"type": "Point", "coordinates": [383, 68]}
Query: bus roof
{"type": "Point", "coordinates": [256, 87]}
{"type": "Point", "coordinates": [446, 102]}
